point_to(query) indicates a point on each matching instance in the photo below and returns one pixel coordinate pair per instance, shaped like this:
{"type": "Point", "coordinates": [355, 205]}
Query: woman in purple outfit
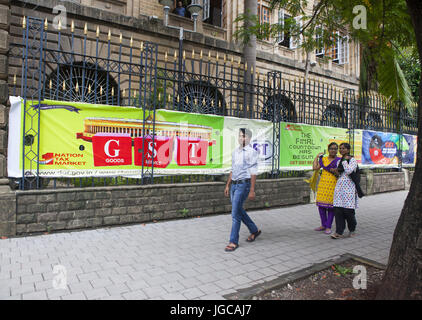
{"type": "Point", "coordinates": [326, 186]}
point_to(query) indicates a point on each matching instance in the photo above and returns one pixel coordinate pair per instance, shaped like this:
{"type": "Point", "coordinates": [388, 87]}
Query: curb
{"type": "Point", "coordinates": [248, 293]}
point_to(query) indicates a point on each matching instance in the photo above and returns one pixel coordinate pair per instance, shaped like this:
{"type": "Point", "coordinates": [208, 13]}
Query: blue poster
{"type": "Point", "coordinates": [409, 154]}
{"type": "Point", "coordinates": [384, 148]}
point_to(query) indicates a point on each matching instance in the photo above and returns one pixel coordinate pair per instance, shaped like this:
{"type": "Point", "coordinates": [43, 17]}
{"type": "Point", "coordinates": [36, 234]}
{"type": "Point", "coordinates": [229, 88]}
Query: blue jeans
{"type": "Point", "coordinates": [238, 194]}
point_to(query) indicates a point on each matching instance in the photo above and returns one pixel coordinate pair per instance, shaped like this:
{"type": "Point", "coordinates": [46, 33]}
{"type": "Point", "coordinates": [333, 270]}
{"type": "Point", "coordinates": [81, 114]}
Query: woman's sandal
{"type": "Point", "coordinates": [336, 236]}
{"type": "Point", "coordinates": [231, 248]}
{"type": "Point", "coordinates": [253, 236]}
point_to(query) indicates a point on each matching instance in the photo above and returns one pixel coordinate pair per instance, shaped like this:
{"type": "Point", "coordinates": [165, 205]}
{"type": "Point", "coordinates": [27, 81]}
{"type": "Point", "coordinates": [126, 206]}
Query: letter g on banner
{"type": "Point", "coordinates": [107, 149]}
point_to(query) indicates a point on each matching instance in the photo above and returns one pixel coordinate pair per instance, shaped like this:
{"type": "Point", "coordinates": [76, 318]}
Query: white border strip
{"type": "Point", "coordinates": [14, 142]}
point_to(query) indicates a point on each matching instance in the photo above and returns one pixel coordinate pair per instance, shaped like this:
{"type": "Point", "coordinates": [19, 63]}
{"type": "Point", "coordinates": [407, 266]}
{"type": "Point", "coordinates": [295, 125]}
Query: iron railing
{"type": "Point", "coordinates": [103, 68]}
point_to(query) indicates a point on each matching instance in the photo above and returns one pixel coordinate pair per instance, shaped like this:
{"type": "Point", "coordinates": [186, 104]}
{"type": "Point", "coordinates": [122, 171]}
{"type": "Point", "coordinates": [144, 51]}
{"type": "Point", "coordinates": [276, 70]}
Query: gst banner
{"type": "Point", "coordinates": [301, 143]}
{"type": "Point", "coordinates": [85, 140]}
{"type": "Point", "coordinates": [261, 141]}
{"type": "Point", "coordinates": [383, 149]}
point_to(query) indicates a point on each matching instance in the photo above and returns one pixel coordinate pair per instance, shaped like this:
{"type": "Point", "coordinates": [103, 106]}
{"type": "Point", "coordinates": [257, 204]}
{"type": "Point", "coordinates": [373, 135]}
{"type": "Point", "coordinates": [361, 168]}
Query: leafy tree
{"type": "Point", "coordinates": [391, 24]}
{"type": "Point", "coordinates": [409, 63]}
{"type": "Point", "coordinates": [388, 28]}
{"type": "Point", "coordinates": [403, 277]}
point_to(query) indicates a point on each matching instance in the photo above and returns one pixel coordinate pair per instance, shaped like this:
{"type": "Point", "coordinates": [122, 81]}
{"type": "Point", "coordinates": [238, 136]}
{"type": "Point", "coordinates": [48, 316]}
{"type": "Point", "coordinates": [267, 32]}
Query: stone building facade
{"type": "Point", "coordinates": [126, 24]}
{"type": "Point", "coordinates": [4, 92]}
{"type": "Point", "coordinates": [142, 20]}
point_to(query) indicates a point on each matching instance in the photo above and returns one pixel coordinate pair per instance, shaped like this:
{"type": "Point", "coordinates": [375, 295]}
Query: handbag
{"type": "Point", "coordinates": [355, 177]}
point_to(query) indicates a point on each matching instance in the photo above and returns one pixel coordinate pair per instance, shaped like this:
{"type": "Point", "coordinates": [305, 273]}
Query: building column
{"type": "Point", "coordinates": [7, 197]}
{"type": "Point", "coordinates": [4, 74]}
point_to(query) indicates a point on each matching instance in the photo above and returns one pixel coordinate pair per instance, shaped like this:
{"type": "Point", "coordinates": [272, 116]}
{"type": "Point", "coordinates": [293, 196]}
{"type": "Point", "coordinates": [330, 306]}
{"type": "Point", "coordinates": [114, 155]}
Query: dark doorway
{"type": "Point", "coordinates": [213, 12]}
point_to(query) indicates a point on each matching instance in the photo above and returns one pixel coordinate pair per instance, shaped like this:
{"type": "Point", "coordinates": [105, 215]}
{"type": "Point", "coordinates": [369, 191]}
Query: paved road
{"type": "Point", "coordinates": [185, 259]}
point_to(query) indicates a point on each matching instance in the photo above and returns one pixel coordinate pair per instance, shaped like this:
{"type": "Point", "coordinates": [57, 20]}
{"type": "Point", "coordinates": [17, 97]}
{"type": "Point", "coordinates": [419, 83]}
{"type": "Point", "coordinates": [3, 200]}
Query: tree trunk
{"type": "Point", "coordinates": [403, 277]}
{"type": "Point", "coordinates": [249, 54]}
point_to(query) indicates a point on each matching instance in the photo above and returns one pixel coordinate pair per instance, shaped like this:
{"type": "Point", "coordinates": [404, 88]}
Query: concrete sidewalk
{"type": "Point", "coordinates": [185, 259]}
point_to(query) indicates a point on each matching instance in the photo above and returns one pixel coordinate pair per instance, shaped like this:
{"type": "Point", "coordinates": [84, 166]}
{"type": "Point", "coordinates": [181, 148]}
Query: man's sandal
{"type": "Point", "coordinates": [231, 248]}
{"type": "Point", "coordinates": [253, 236]}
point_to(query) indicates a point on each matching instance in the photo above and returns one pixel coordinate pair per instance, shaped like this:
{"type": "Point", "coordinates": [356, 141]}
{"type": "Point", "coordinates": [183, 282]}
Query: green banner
{"type": "Point", "coordinates": [85, 140]}
{"type": "Point", "coordinates": [301, 143]}
{"type": "Point", "coordinates": [78, 139]}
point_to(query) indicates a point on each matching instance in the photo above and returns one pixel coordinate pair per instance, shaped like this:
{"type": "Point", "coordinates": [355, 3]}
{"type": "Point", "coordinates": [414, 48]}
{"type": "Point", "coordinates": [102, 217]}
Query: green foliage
{"type": "Point", "coordinates": [409, 63]}
{"type": "Point", "coordinates": [341, 270]}
{"type": "Point", "coordinates": [184, 212]}
{"type": "Point", "coordinates": [330, 21]}
{"type": "Point", "coordinates": [392, 82]}
{"type": "Point", "coordinates": [389, 28]}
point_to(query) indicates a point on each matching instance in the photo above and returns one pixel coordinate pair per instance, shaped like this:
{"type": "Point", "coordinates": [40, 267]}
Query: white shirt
{"type": "Point", "coordinates": [244, 163]}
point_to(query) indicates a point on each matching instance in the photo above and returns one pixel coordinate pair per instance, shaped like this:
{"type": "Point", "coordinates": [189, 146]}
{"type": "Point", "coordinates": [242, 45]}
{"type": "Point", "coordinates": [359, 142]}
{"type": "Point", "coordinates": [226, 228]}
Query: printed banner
{"type": "Point", "coordinates": [84, 140]}
{"type": "Point", "coordinates": [262, 140]}
{"type": "Point", "coordinates": [383, 149]}
{"type": "Point", "coordinates": [301, 143]}
{"type": "Point", "coordinates": [409, 154]}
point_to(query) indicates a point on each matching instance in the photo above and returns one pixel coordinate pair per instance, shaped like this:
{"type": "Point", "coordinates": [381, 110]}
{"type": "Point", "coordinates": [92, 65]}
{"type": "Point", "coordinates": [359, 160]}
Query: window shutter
{"type": "Point", "coordinates": [318, 38]}
{"type": "Point", "coordinates": [206, 9]}
{"type": "Point", "coordinates": [336, 48]}
{"type": "Point", "coordinates": [344, 50]}
{"type": "Point", "coordinates": [299, 19]}
{"type": "Point", "coordinates": [294, 41]}
{"type": "Point", "coordinates": [280, 37]}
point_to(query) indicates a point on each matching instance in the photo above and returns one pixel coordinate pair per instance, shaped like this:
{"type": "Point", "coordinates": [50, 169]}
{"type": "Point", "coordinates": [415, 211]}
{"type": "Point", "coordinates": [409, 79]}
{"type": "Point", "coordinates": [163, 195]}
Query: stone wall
{"type": "Point", "coordinates": [388, 181]}
{"type": "Point", "coordinates": [28, 212]}
{"type": "Point", "coordinates": [52, 210]}
{"type": "Point", "coordinates": [4, 48]}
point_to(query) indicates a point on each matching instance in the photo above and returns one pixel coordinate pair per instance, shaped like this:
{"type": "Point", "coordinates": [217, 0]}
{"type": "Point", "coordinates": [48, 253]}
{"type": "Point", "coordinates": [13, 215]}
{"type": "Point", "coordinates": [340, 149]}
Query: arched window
{"type": "Point", "coordinates": [373, 121]}
{"type": "Point", "coordinates": [201, 97]}
{"type": "Point", "coordinates": [81, 83]}
{"type": "Point", "coordinates": [284, 109]}
{"type": "Point", "coordinates": [333, 116]}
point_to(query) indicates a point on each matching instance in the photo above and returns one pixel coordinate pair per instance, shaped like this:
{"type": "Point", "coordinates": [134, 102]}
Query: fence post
{"type": "Point", "coordinates": [33, 32]}
{"type": "Point", "coordinates": [273, 93]}
{"type": "Point", "coordinates": [399, 130]}
{"type": "Point", "coordinates": [350, 106]}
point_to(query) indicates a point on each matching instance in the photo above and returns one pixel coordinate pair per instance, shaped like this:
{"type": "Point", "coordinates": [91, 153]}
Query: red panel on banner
{"type": "Point", "coordinates": [191, 151]}
{"type": "Point", "coordinates": [112, 149]}
{"type": "Point", "coordinates": [162, 152]}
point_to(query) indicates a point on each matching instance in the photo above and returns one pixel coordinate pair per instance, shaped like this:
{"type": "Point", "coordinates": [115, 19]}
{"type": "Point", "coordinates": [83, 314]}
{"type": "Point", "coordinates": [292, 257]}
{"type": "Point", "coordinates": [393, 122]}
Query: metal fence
{"type": "Point", "coordinates": [90, 65]}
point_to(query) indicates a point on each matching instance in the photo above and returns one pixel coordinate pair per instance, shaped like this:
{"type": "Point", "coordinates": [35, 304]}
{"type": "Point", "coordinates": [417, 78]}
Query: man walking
{"type": "Point", "coordinates": [242, 179]}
